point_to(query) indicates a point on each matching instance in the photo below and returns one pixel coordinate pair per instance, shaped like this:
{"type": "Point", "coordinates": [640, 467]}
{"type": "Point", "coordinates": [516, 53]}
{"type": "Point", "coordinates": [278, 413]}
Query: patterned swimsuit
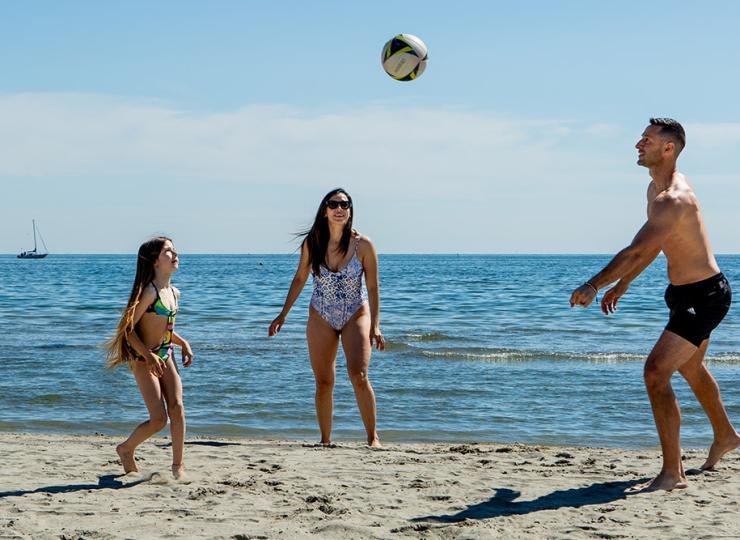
{"type": "Point", "coordinates": [338, 295]}
{"type": "Point", "coordinates": [164, 351]}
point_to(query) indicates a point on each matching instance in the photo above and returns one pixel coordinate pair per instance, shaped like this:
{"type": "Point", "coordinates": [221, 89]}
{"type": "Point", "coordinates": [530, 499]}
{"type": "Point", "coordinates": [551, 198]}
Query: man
{"type": "Point", "coordinates": [698, 298]}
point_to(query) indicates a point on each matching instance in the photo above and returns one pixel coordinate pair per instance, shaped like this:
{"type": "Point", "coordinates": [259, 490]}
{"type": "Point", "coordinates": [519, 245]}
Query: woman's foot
{"type": "Point", "coordinates": [178, 472]}
{"type": "Point", "coordinates": [374, 442]}
{"type": "Point", "coordinates": [662, 482]}
{"type": "Point", "coordinates": [127, 458]}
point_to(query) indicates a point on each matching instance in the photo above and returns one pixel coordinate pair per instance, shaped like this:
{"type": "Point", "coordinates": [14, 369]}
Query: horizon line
{"type": "Point", "coordinates": [446, 253]}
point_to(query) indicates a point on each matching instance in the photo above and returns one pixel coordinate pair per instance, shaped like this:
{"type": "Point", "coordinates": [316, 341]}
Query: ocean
{"type": "Point", "coordinates": [479, 348]}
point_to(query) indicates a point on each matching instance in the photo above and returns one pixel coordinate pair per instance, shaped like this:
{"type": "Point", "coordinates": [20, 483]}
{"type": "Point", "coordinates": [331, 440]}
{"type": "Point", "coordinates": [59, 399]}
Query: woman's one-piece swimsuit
{"type": "Point", "coordinates": [338, 295]}
{"type": "Point", "coordinates": [164, 351]}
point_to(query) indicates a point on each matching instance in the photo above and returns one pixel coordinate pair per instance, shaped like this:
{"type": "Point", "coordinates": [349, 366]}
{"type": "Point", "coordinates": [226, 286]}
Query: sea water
{"type": "Point", "coordinates": [479, 348]}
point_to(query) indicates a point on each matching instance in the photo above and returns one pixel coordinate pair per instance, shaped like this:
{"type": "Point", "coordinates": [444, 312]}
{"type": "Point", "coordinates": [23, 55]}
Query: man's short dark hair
{"type": "Point", "coordinates": [671, 129]}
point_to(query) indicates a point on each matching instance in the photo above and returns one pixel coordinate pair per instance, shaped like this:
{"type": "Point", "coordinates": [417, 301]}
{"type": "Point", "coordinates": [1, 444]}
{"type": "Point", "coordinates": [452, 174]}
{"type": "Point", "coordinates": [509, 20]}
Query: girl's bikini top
{"type": "Point", "coordinates": [159, 308]}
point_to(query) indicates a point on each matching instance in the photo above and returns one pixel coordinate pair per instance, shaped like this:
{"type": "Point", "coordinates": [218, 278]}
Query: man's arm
{"type": "Point", "coordinates": [633, 259]}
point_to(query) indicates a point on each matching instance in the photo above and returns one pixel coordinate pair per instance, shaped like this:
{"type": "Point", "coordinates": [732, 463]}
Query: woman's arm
{"type": "Point", "coordinates": [296, 286]}
{"type": "Point", "coordinates": [369, 259]}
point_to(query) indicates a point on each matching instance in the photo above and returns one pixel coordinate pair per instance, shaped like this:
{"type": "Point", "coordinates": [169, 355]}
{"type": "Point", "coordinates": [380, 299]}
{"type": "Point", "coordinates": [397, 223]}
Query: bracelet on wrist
{"type": "Point", "coordinates": [596, 291]}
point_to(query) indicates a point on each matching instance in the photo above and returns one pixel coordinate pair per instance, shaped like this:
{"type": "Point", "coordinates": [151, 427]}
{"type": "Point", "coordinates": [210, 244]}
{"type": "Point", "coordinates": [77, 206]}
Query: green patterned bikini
{"type": "Point", "coordinates": [164, 351]}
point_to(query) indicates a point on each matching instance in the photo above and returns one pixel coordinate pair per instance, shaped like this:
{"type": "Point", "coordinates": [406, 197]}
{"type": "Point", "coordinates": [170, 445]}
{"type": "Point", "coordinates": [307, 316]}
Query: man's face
{"type": "Point", "coordinates": [651, 147]}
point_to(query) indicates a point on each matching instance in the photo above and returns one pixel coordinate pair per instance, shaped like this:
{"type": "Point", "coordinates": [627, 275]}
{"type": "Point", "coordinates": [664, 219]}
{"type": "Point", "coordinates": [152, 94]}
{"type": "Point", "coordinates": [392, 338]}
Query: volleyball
{"type": "Point", "coordinates": [404, 57]}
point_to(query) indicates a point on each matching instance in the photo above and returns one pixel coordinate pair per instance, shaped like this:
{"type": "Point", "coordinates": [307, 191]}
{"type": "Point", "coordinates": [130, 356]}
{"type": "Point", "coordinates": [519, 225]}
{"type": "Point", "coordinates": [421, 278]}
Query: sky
{"type": "Point", "coordinates": [222, 124]}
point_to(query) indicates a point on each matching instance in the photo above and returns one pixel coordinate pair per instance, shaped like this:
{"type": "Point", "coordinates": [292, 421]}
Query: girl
{"type": "Point", "coordinates": [144, 340]}
{"type": "Point", "coordinates": [337, 256]}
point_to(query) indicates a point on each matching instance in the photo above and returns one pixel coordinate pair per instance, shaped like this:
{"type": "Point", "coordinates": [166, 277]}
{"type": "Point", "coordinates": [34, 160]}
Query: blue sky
{"type": "Point", "coordinates": [223, 124]}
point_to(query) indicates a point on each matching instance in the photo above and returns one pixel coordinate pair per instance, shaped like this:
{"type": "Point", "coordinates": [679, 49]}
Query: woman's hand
{"type": "Point", "coordinates": [276, 325]}
{"type": "Point", "coordinates": [612, 296]}
{"type": "Point", "coordinates": [155, 364]}
{"type": "Point", "coordinates": [187, 354]}
{"type": "Point", "coordinates": [377, 337]}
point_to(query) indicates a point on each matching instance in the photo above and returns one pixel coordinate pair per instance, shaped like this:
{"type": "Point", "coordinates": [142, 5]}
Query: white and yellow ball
{"type": "Point", "coordinates": [404, 57]}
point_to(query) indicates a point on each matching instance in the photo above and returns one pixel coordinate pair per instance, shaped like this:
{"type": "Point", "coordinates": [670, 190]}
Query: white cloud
{"type": "Point", "coordinates": [511, 184]}
{"type": "Point", "coordinates": [63, 134]}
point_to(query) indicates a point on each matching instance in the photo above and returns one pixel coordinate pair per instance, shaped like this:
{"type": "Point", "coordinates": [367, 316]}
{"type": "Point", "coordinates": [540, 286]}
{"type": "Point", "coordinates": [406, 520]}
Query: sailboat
{"type": "Point", "coordinates": [34, 254]}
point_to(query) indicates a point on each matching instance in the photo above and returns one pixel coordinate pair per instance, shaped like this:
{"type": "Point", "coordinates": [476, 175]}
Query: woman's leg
{"type": "Point", "coordinates": [357, 349]}
{"type": "Point", "coordinates": [151, 391]}
{"type": "Point", "coordinates": [323, 343]}
{"type": "Point", "coordinates": [172, 389]}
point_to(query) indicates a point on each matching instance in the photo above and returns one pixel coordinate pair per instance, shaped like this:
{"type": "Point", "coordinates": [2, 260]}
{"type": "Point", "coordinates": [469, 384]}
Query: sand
{"type": "Point", "coordinates": [61, 486]}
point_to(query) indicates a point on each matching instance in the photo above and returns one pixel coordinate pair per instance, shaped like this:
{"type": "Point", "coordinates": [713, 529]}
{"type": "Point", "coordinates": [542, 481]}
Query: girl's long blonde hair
{"type": "Point", "coordinates": [118, 350]}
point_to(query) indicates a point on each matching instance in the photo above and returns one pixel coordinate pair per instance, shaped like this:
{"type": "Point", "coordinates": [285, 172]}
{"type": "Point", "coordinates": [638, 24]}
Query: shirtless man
{"type": "Point", "coordinates": [698, 298]}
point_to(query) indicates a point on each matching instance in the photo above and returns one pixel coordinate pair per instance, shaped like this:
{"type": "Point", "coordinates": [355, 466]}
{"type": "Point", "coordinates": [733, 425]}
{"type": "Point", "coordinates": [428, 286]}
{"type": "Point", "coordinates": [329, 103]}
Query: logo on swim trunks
{"type": "Point", "coordinates": [691, 310]}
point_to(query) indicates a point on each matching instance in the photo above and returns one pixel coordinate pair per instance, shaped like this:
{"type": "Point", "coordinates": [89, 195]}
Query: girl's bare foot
{"type": "Point", "coordinates": [374, 442]}
{"type": "Point", "coordinates": [719, 449]}
{"type": "Point", "coordinates": [127, 459]}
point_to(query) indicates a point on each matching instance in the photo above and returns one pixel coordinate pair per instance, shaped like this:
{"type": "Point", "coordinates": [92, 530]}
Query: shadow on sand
{"type": "Point", "coordinates": [504, 503]}
{"type": "Point", "coordinates": [107, 481]}
{"type": "Point", "coordinates": [217, 444]}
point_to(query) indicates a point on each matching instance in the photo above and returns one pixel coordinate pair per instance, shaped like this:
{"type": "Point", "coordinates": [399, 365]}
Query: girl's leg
{"type": "Point", "coordinates": [357, 349]}
{"type": "Point", "coordinates": [172, 389]}
{"type": "Point", "coordinates": [323, 343]}
{"type": "Point", "coordinates": [151, 391]}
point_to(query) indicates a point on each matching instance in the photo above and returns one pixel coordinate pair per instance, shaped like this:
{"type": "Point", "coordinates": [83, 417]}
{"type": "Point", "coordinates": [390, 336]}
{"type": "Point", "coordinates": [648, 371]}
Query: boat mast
{"type": "Point", "coordinates": [34, 235]}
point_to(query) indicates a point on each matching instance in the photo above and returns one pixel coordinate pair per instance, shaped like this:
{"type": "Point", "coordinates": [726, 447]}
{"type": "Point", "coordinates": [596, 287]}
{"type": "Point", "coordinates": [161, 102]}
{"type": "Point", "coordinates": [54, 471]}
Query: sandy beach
{"type": "Point", "coordinates": [61, 486]}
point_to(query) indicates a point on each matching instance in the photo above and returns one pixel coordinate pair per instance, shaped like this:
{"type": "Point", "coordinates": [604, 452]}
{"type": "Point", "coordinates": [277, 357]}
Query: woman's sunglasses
{"type": "Point", "coordinates": [333, 205]}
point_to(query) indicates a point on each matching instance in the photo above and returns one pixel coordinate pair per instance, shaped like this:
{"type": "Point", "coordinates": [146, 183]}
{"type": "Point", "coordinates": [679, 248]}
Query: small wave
{"type": "Point", "coordinates": [724, 358]}
{"type": "Point", "coordinates": [397, 346]}
{"type": "Point", "coordinates": [429, 337]}
{"type": "Point", "coordinates": [509, 355]}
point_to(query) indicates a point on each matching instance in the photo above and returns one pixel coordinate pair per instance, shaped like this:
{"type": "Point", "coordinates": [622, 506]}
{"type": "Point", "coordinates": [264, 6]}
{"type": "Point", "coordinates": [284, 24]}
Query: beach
{"type": "Point", "coordinates": [72, 486]}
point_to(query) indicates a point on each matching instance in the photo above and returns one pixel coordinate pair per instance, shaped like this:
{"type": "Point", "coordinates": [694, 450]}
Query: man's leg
{"type": "Point", "coordinates": [670, 353]}
{"type": "Point", "coordinates": [706, 390]}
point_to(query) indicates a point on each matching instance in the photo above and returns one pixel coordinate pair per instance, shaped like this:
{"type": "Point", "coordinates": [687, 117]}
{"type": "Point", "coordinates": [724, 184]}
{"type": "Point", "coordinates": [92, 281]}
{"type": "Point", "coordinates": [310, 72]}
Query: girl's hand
{"type": "Point", "coordinates": [376, 336]}
{"type": "Point", "coordinates": [187, 354]}
{"type": "Point", "coordinates": [276, 325]}
{"type": "Point", "coordinates": [155, 365]}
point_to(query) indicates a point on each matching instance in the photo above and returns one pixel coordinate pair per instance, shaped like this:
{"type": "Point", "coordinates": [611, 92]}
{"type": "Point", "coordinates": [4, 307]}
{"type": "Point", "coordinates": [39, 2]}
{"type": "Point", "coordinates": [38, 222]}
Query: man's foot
{"type": "Point", "coordinates": [178, 472]}
{"type": "Point", "coordinates": [719, 449]}
{"type": "Point", "coordinates": [127, 459]}
{"type": "Point", "coordinates": [662, 482]}
{"type": "Point", "coordinates": [374, 442]}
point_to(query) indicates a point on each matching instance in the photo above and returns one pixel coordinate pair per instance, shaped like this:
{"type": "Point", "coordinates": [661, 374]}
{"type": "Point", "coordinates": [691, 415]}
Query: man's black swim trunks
{"type": "Point", "coordinates": [697, 308]}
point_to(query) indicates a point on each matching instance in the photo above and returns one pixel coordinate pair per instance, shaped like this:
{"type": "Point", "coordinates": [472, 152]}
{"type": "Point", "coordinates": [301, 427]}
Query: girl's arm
{"type": "Point", "coordinates": [154, 362]}
{"type": "Point", "coordinates": [177, 339]}
{"type": "Point", "coordinates": [187, 352]}
{"type": "Point", "coordinates": [296, 286]}
{"type": "Point", "coordinates": [369, 259]}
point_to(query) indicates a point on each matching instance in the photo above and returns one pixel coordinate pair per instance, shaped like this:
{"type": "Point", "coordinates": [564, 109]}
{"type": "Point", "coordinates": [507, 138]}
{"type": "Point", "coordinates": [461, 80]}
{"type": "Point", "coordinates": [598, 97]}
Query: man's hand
{"type": "Point", "coordinates": [612, 296]}
{"type": "Point", "coordinates": [583, 295]}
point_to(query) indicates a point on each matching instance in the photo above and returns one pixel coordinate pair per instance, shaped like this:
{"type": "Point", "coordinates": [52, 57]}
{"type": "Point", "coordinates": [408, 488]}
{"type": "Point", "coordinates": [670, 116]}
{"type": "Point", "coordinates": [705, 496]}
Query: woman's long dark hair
{"type": "Point", "coordinates": [118, 351]}
{"type": "Point", "coordinates": [316, 238]}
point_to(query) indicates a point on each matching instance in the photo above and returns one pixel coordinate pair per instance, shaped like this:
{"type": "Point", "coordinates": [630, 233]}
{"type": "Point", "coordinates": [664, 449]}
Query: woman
{"type": "Point", "coordinates": [338, 256]}
{"type": "Point", "coordinates": [144, 340]}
